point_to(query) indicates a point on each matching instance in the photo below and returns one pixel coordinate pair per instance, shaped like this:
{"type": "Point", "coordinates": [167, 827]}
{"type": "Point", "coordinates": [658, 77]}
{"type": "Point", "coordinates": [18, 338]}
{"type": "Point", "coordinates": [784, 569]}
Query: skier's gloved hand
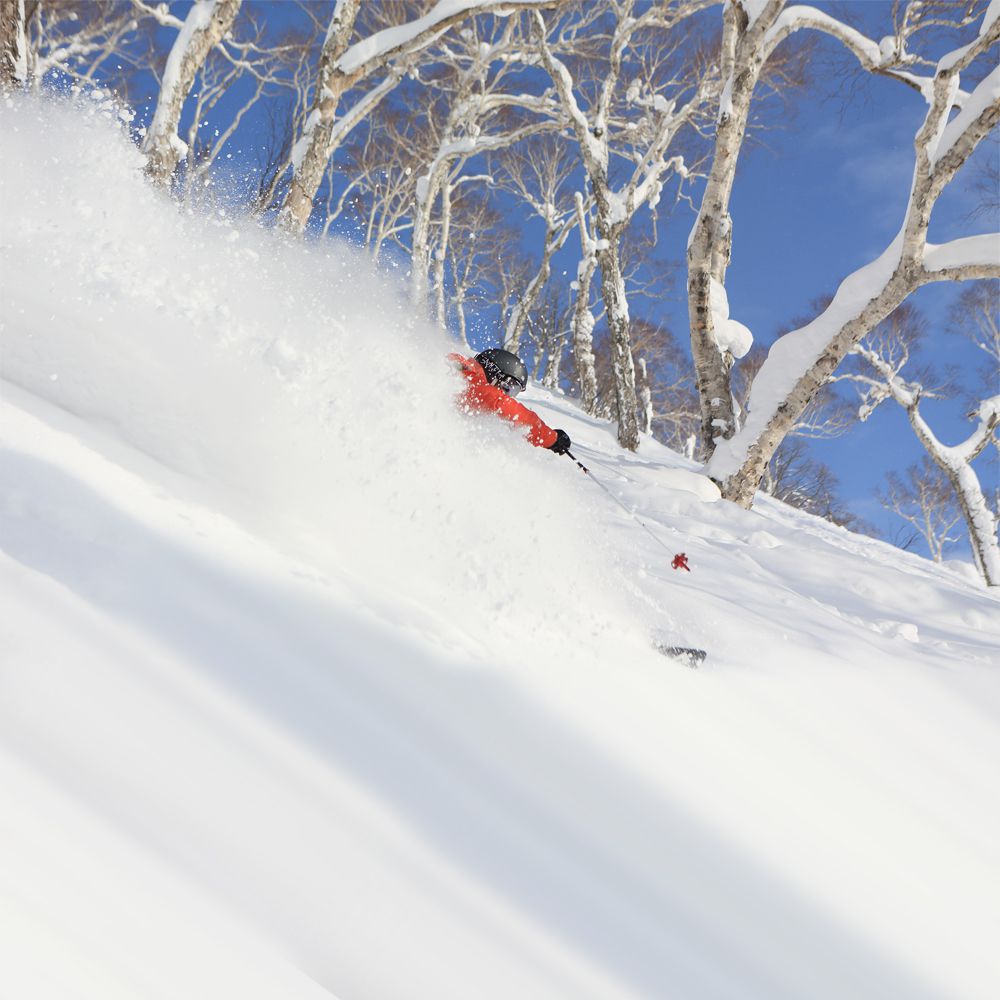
{"type": "Point", "coordinates": [562, 443]}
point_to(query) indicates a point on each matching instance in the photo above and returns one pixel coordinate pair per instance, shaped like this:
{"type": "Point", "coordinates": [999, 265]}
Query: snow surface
{"type": "Point", "coordinates": [311, 686]}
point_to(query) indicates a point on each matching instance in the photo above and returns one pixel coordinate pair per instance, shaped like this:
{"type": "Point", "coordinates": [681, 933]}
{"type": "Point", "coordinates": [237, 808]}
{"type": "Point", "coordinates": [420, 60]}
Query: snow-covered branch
{"type": "Point", "coordinates": [206, 24]}
{"type": "Point", "coordinates": [160, 13]}
{"type": "Point", "coordinates": [343, 66]}
{"type": "Point", "coordinates": [963, 259]}
{"type": "Point", "coordinates": [961, 135]}
{"type": "Point", "coordinates": [955, 461]}
{"type": "Point", "coordinates": [592, 128]}
{"type": "Point", "coordinates": [801, 362]}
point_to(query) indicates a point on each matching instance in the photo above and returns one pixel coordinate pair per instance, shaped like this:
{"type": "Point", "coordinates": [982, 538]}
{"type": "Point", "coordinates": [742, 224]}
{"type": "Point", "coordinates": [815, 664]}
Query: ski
{"type": "Point", "coordinates": [685, 654]}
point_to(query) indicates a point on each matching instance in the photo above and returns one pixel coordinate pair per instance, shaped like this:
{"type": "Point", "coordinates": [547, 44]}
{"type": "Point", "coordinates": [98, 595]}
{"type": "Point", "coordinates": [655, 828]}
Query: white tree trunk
{"type": "Point", "coordinates": [553, 363]}
{"type": "Point", "coordinates": [428, 188]}
{"type": "Point", "coordinates": [623, 367]}
{"type": "Point", "coordinates": [582, 329]}
{"type": "Point", "coordinates": [314, 148]}
{"type": "Point", "coordinates": [13, 45]}
{"type": "Point", "coordinates": [206, 25]}
{"type": "Point", "coordinates": [956, 464]}
{"type": "Point", "coordinates": [709, 246]}
{"type": "Point", "coordinates": [645, 398]}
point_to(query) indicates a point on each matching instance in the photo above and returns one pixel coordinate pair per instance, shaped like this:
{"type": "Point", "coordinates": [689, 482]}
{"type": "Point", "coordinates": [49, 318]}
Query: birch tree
{"type": "Point", "coordinates": [800, 363]}
{"type": "Point", "coordinates": [343, 66]}
{"type": "Point", "coordinates": [207, 23]}
{"type": "Point", "coordinates": [538, 174]}
{"type": "Point", "coordinates": [13, 45]}
{"type": "Point", "coordinates": [583, 322]}
{"type": "Point", "coordinates": [602, 136]}
{"type": "Point", "coordinates": [751, 34]}
{"type": "Point", "coordinates": [268, 66]}
{"type": "Point", "coordinates": [886, 354]}
{"type": "Point", "coordinates": [484, 114]}
{"type": "Point", "coordinates": [924, 499]}
{"type": "Point", "coordinates": [76, 40]}
{"type": "Point", "coordinates": [379, 162]}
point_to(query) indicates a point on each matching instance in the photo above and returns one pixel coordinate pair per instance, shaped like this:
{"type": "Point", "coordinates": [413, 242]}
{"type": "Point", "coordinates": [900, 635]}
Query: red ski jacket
{"type": "Point", "coordinates": [480, 396]}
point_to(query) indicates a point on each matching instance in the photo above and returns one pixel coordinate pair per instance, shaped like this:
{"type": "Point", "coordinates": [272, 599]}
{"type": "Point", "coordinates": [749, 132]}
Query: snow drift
{"type": "Point", "coordinates": [311, 686]}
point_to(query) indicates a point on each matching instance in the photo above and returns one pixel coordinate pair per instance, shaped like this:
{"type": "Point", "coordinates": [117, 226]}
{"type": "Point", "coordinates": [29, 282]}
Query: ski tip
{"type": "Point", "coordinates": [685, 654]}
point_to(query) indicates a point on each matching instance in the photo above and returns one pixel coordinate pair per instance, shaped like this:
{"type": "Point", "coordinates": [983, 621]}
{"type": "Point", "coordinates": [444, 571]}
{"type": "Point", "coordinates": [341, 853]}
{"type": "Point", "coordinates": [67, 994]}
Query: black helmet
{"type": "Point", "coordinates": [504, 370]}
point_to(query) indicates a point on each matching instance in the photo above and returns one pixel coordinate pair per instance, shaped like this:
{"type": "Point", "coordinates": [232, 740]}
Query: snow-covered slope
{"type": "Point", "coordinates": [312, 687]}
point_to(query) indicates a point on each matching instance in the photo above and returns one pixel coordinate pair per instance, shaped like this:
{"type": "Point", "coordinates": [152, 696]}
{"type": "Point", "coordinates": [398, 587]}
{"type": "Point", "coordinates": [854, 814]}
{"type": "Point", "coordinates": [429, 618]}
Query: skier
{"type": "Point", "coordinates": [494, 378]}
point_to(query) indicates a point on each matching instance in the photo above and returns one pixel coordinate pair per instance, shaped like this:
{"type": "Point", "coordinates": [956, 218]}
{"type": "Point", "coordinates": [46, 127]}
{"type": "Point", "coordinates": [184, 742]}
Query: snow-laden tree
{"type": "Point", "coordinates": [13, 45]}
{"type": "Point", "coordinates": [270, 66]}
{"type": "Point", "coordinates": [956, 121]}
{"type": "Point", "coordinates": [752, 32]}
{"type": "Point", "coordinates": [628, 101]}
{"type": "Point", "coordinates": [539, 174]}
{"type": "Point", "coordinates": [925, 500]}
{"type": "Point", "coordinates": [206, 24]}
{"type": "Point", "coordinates": [886, 355]}
{"type": "Point", "coordinates": [479, 238]}
{"type": "Point", "coordinates": [85, 41]}
{"type": "Point", "coordinates": [343, 66]}
{"type": "Point", "coordinates": [793, 474]}
{"type": "Point", "coordinates": [378, 179]}
{"type": "Point", "coordinates": [717, 339]}
{"type": "Point", "coordinates": [584, 321]}
{"type": "Point", "coordinates": [485, 112]}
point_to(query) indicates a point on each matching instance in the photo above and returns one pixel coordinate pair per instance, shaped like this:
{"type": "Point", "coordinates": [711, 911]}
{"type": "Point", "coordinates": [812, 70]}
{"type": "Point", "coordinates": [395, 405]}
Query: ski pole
{"type": "Point", "coordinates": [678, 560]}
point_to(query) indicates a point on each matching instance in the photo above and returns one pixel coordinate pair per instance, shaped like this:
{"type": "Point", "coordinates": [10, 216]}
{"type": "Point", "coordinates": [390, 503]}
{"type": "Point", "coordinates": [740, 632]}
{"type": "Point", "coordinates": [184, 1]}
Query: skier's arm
{"type": "Point", "coordinates": [539, 432]}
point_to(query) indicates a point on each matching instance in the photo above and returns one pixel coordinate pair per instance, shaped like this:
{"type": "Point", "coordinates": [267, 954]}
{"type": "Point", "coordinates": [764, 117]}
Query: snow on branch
{"type": "Point", "coordinates": [964, 259]}
{"type": "Point", "coordinates": [884, 57]}
{"type": "Point", "coordinates": [207, 22]}
{"type": "Point", "coordinates": [160, 13]}
{"type": "Point", "coordinates": [594, 152]}
{"type": "Point", "coordinates": [793, 19]}
{"type": "Point", "coordinates": [375, 50]}
{"type": "Point", "coordinates": [342, 66]}
{"type": "Point", "coordinates": [962, 56]}
{"type": "Point", "coordinates": [887, 358]}
{"type": "Point", "coordinates": [978, 115]}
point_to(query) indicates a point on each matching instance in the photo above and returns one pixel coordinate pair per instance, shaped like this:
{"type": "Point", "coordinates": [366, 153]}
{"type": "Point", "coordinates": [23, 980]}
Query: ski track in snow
{"type": "Point", "coordinates": [312, 687]}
